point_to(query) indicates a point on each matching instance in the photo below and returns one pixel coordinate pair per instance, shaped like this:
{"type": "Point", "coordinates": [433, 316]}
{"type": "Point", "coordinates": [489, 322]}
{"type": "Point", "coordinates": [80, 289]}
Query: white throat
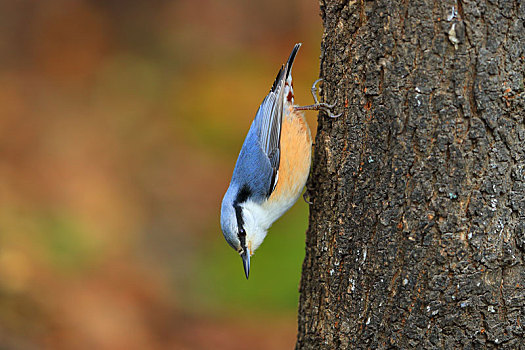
{"type": "Point", "coordinates": [257, 221]}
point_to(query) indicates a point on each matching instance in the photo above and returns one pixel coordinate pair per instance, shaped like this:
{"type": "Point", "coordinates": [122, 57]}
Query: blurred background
{"type": "Point", "coordinates": [120, 124]}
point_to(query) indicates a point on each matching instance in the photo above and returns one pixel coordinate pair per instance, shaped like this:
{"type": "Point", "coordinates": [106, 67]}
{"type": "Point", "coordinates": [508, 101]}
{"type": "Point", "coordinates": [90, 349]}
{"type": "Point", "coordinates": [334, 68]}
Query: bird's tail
{"type": "Point", "coordinates": [283, 82]}
{"type": "Point", "coordinates": [289, 64]}
{"type": "Point", "coordinates": [288, 87]}
{"type": "Point", "coordinates": [285, 73]}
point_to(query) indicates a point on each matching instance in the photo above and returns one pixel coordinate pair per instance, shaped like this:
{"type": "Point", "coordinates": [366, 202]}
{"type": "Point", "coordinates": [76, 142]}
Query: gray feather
{"type": "Point", "coordinates": [269, 117]}
{"type": "Point", "coordinates": [258, 162]}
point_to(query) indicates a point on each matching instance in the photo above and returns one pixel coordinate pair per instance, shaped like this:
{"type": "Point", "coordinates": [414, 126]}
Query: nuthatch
{"type": "Point", "coordinates": [272, 167]}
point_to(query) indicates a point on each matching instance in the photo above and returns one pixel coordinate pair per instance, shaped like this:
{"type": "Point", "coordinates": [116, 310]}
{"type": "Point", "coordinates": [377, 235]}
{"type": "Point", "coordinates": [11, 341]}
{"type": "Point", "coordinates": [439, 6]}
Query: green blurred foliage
{"type": "Point", "coordinates": [119, 129]}
{"type": "Point", "coordinates": [276, 270]}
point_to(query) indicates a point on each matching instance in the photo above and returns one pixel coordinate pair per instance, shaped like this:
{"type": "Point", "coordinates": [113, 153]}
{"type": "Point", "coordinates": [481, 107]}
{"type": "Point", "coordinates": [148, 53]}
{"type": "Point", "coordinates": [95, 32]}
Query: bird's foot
{"type": "Point", "coordinates": [319, 105]}
{"type": "Point", "coordinates": [306, 197]}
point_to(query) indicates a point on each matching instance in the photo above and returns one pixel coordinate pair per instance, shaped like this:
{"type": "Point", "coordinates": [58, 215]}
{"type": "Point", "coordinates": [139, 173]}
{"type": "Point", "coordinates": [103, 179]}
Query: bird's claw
{"type": "Point", "coordinates": [328, 109]}
{"type": "Point", "coordinates": [323, 106]}
{"type": "Point", "coordinates": [314, 90]}
{"type": "Point", "coordinates": [306, 197]}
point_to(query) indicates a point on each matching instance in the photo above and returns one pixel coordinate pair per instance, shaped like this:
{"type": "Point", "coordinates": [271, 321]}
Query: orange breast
{"type": "Point", "coordinates": [294, 166]}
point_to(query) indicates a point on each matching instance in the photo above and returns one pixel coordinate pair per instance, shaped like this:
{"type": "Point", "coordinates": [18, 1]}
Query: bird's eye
{"type": "Point", "coordinates": [242, 232]}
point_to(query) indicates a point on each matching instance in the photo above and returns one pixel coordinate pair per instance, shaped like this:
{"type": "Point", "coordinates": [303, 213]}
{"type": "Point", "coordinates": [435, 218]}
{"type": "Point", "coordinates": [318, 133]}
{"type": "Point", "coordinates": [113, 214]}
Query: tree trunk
{"type": "Point", "coordinates": [417, 227]}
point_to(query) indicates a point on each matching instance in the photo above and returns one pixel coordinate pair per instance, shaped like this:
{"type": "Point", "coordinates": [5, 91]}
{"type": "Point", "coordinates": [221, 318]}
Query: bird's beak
{"type": "Point", "coordinates": [246, 261]}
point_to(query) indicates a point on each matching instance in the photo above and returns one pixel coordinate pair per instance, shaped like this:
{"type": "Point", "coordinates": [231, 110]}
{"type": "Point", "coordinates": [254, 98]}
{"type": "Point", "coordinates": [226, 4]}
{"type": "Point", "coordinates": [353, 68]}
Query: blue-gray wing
{"type": "Point", "coordinates": [268, 119]}
{"type": "Point", "coordinates": [253, 172]}
{"type": "Point", "coordinates": [257, 167]}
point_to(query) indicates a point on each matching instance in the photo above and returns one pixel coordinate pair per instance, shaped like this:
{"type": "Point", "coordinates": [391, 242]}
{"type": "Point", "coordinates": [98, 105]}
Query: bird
{"type": "Point", "coordinates": [272, 167]}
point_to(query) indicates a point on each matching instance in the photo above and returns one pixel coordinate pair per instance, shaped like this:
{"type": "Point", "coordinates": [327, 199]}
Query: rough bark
{"type": "Point", "coordinates": [417, 227]}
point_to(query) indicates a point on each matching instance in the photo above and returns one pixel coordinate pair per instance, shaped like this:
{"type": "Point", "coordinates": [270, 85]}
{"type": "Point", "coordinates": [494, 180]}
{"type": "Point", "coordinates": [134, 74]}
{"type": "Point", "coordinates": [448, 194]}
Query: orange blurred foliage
{"type": "Point", "coordinates": [119, 127]}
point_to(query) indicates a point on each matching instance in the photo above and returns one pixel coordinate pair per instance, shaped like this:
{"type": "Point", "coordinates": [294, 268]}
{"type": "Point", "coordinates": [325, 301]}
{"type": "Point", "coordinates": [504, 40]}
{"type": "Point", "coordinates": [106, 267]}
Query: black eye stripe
{"type": "Point", "coordinates": [242, 196]}
{"type": "Point", "coordinates": [240, 220]}
{"type": "Point", "coordinates": [242, 237]}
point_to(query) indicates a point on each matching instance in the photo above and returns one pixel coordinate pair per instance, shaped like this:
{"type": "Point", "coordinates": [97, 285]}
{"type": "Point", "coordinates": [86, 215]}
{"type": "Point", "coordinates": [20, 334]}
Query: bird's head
{"type": "Point", "coordinates": [241, 227]}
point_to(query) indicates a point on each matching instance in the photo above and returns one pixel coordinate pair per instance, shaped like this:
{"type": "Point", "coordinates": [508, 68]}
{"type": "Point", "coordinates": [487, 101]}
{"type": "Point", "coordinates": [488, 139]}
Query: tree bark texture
{"type": "Point", "coordinates": [417, 226]}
